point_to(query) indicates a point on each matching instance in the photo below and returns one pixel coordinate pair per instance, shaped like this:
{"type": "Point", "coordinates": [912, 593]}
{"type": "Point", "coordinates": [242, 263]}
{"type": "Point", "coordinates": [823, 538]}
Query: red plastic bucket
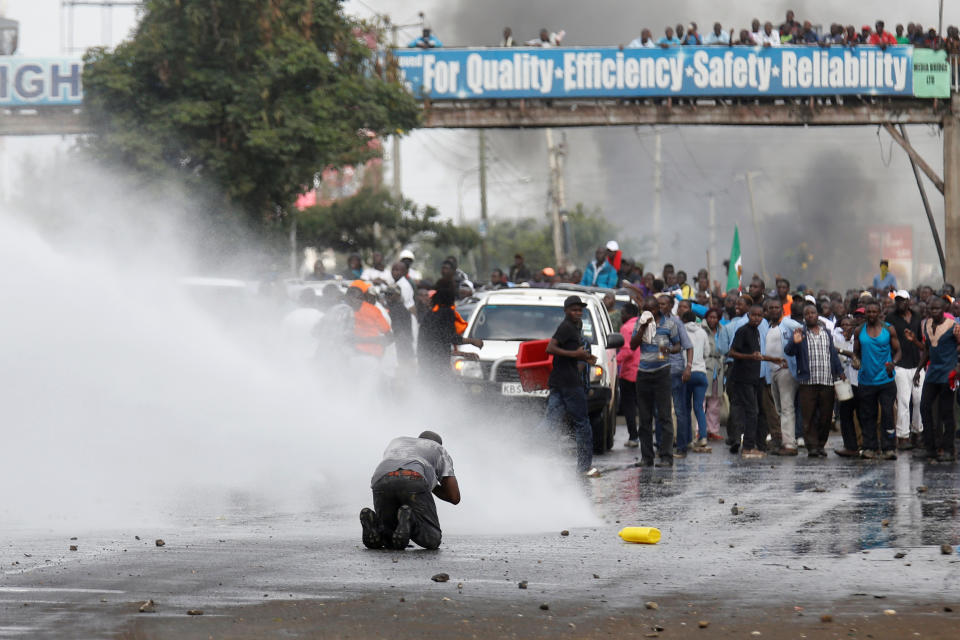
{"type": "Point", "coordinates": [534, 365]}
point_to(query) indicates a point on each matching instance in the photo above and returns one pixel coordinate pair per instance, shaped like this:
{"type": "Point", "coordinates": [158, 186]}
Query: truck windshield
{"type": "Point", "coordinates": [519, 322]}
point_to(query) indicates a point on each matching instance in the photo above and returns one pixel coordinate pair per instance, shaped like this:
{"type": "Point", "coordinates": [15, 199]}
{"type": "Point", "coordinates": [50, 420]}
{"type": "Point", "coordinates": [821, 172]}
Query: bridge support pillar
{"type": "Point", "coordinates": [951, 191]}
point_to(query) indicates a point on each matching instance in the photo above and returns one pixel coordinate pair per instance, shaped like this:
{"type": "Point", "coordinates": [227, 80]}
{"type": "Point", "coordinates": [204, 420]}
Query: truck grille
{"type": "Point", "coordinates": [507, 372]}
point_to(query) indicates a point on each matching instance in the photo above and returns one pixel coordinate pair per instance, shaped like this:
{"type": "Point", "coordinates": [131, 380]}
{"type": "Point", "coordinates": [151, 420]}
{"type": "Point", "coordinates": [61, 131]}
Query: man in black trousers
{"type": "Point", "coordinates": [413, 470]}
{"type": "Point", "coordinates": [744, 385]}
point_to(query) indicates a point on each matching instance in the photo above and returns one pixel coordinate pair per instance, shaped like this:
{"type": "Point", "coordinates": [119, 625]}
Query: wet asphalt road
{"type": "Point", "coordinates": [811, 531]}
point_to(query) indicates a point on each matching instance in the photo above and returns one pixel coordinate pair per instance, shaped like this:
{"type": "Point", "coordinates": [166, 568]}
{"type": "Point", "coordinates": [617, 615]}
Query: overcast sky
{"type": "Point", "coordinates": [847, 178]}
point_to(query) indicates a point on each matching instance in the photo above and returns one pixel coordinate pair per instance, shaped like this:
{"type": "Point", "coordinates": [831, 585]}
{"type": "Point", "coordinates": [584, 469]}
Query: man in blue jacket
{"type": "Point", "coordinates": [818, 365]}
{"type": "Point", "coordinates": [600, 273]}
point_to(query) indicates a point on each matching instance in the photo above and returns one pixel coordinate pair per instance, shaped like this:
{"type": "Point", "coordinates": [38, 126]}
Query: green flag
{"type": "Point", "coordinates": [735, 271]}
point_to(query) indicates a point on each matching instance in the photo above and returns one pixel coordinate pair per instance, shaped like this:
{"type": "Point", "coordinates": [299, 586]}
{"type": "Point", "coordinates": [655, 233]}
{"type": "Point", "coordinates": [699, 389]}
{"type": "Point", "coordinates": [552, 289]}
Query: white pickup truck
{"type": "Point", "coordinates": [503, 319]}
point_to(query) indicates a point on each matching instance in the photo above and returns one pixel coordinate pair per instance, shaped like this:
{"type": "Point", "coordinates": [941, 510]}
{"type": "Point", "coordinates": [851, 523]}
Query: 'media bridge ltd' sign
{"type": "Point", "coordinates": [29, 82]}
{"type": "Point", "coordinates": [463, 74]}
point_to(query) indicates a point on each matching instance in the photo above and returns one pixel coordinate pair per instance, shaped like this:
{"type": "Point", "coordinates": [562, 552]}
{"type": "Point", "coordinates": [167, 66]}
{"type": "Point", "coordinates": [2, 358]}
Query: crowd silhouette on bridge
{"type": "Point", "coordinates": [791, 31]}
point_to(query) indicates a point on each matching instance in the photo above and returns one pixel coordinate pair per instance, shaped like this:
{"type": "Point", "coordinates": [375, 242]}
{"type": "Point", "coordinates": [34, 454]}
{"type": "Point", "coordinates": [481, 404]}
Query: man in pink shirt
{"type": "Point", "coordinates": [628, 361]}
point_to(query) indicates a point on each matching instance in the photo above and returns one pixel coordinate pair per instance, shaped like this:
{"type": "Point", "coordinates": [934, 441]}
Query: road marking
{"type": "Point", "coordinates": [55, 590]}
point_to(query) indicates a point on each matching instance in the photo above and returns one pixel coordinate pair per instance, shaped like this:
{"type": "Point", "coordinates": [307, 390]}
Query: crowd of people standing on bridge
{"type": "Point", "coordinates": [792, 31]}
{"type": "Point", "coordinates": [803, 33]}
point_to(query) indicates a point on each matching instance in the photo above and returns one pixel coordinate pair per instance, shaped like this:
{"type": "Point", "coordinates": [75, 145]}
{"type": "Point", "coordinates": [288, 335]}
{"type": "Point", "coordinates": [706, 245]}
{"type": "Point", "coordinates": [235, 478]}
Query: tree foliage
{"type": "Point", "coordinates": [373, 220]}
{"type": "Point", "coordinates": [243, 99]}
{"type": "Point", "coordinates": [587, 230]}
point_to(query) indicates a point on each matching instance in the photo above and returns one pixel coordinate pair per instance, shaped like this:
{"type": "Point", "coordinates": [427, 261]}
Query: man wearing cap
{"type": "Point", "coordinates": [406, 256]}
{"type": "Point", "coordinates": [568, 382]}
{"type": "Point", "coordinates": [600, 273]}
{"type": "Point", "coordinates": [907, 325]}
{"type": "Point", "coordinates": [412, 472]}
{"type": "Point", "coordinates": [884, 280]}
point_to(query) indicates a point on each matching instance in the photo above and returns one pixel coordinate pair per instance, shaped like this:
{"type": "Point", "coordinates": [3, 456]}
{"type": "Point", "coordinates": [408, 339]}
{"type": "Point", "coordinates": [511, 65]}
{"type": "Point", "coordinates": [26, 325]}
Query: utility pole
{"type": "Point", "coordinates": [482, 144]}
{"type": "Point", "coordinates": [395, 143]}
{"type": "Point", "coordinates": [940, 24]}
{"type": "Point", "coordinates": [748, 177]}
{"type": "Point", "coordinates": [557, 196]}
{"type": "Point", "coordinates": [657, 190]}
{"type": "Point", "coordinates": [712, 247]}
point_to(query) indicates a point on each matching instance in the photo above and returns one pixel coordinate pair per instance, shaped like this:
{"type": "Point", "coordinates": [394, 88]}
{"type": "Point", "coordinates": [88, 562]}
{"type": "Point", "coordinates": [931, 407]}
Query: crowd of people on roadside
{"type": "Point", "coordinates": [760, 34]}
{"type": "Point", "coordinates": [790, 363]}
{"type": "Point", "coordinates": [784, 363]}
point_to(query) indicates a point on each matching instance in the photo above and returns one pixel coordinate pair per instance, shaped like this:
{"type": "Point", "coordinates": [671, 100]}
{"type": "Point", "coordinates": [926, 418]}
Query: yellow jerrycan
{"type": "Point", "coordinates": [642, 535]}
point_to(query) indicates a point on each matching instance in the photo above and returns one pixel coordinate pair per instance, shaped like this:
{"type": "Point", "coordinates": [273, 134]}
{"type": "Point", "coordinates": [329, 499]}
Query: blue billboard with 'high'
{"type": "Point", "coordinates": [465, 74]}
{"type": "Point", "coordinates": [26, 82]}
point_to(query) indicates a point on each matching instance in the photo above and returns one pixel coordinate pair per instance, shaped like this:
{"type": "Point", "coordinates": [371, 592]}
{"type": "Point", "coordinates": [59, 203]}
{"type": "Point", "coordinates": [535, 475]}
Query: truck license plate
{"type": "Point", "coordinates": [516, 389]}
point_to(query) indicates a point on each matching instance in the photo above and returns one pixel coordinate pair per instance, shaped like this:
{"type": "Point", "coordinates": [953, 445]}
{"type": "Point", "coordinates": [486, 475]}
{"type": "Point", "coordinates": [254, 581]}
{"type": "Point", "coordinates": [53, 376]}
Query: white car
{"type": "Point", "coordinates": [503, 319]}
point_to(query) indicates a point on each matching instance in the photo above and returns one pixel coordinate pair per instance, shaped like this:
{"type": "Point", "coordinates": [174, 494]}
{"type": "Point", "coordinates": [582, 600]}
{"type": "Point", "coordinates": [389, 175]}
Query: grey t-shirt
{"type": "Point", "coordinates": [426, 457]}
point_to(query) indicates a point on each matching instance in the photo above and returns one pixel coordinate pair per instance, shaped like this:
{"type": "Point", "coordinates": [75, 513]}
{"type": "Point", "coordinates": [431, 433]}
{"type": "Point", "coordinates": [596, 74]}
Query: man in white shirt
{"type": "Point", "coordinates": [645, 41]}
{"type": "Point", "coordinates": [782, 379]}
{"type": "Point", "coordinates": [717, 36]}
{"type": "Point", "coordinates": [398, 276]}
{"type": "Point", "coordinates": [377, 273]}
{"type": "Point", "coordinates": [546, 39]}
{"type": "Point", "coordinates": [755, 30]}
{"type": "Point", "coordinates": [769, 37]}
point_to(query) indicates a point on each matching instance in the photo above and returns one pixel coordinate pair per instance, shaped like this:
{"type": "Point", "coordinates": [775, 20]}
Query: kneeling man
{"type": "Point", "coordinates": [413, 470]}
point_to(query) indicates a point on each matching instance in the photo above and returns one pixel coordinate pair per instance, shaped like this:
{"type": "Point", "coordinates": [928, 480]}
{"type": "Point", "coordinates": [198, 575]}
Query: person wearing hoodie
{"type": "Point", "coordinates": [695, 388]}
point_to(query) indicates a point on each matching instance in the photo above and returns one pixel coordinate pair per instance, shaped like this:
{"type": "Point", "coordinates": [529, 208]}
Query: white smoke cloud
{"type": "Point", "coordinates": [126, 403]}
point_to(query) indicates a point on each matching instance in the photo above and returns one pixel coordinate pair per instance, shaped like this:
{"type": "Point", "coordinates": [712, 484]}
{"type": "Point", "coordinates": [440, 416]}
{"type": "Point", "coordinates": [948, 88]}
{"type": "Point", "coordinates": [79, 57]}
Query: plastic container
{"type": "Point", "coordinates": [844, 390]}
{"type": "Point", "coordinates": [534, 365]}
{"type": "Point", "coordinates": [640, 535]}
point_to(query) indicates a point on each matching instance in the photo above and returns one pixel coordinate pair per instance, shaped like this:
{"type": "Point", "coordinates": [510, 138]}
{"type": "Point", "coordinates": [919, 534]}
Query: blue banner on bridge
{"type": "Point", "coordinates": [26, 82]}
{"type": "Point", "coordinates": [464, 74]}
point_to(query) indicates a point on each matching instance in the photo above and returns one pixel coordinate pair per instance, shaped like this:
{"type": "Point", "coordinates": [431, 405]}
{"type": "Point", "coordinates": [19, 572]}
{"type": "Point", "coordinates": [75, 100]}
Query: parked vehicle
{"type": "Point", "coordinates": [503, 319]}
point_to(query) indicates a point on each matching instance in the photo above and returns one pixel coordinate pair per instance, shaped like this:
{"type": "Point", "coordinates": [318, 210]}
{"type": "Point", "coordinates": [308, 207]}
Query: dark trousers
{"type": "Point", "coordinates": [571, 403]}
{"type": "Point", "coordinates": [392, 492]}
{"type": "Point", "coordinates": [628, 404]}
{"type": "Point", "coordinates": [653, 394]}
{"type": "Point", "coordinates": [872, 395]}
{"type": "Point", "coordinates": [816, 405]}
{"type": "Point", "coordinates": [744, 412]}
{"type": "Point", "coordinates": [676, 391]}
{"type": "Point", "coordinates": [937, 432]}
{"type": "Point", "coordinates": [682, 433]}
{"type": "Point", "coordinates": [848, 428]}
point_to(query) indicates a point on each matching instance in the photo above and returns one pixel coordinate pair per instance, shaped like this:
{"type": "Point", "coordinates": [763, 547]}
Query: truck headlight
{"type": "Point", "coordinates": [468, 369]}
{"type": "Point", "coordinates": [596, 373]}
